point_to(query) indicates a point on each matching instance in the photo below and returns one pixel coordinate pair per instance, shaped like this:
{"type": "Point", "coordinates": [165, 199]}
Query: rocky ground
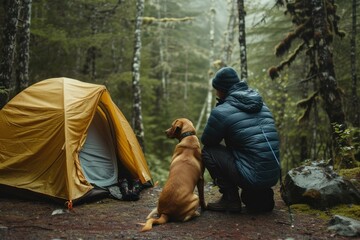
{"type": "Point", "coordinates": [114, 219]}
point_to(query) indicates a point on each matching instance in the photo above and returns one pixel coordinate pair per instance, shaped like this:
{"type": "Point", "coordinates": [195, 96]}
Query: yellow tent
{"type": "Point", "coordinates": [43, 134]}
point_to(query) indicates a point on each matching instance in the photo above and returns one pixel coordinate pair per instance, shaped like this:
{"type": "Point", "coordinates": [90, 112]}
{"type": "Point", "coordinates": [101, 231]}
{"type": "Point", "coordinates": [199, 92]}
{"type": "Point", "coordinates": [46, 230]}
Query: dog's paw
{"type": "Point", "coordinates": [196, 214]}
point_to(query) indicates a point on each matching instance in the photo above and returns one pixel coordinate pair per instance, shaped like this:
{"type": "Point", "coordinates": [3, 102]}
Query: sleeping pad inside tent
{"type": "Point", "coordinates": [66, 140]}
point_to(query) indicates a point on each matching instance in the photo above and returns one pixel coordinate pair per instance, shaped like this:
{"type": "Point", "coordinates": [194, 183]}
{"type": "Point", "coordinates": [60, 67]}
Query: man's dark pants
{"type": "Point", "coordinates": [220, 163]}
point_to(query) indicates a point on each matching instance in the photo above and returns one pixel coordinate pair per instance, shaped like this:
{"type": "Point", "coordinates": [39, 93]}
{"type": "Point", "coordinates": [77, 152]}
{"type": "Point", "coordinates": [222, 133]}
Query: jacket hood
{"type": "Point", "coordinates": [244, 98]}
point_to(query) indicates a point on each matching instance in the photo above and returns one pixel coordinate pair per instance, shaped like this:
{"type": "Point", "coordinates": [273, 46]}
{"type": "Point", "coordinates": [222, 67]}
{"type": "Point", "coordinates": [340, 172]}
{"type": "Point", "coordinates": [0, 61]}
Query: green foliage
{"type": "Point", "coordinates": [349, 135]}
{"type": "Point", "coordinates": [51, 34]}
{"type": "Point", "coordinates": [159, 168]}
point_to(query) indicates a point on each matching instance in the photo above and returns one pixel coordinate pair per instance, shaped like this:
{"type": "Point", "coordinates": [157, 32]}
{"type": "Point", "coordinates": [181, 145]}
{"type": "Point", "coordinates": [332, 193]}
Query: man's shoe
{"type": "Point", "coordinates": [258, 201]}
{"type": "Point", "coordinates": [224, 204]}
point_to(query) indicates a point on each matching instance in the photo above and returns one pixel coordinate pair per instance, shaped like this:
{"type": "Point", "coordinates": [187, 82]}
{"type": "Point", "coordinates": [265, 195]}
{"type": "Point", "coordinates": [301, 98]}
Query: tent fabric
{"type": "Point", "coordinates": [44, 128]}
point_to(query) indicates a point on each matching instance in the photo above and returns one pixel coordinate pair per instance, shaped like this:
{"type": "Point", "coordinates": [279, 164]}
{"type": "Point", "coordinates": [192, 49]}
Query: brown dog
{"type": "Point", "coordinates": [177, 201]}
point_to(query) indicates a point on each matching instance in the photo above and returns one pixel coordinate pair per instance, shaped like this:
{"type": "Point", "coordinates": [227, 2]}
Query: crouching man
{"type": "Point", "coordinates": [241, 146]}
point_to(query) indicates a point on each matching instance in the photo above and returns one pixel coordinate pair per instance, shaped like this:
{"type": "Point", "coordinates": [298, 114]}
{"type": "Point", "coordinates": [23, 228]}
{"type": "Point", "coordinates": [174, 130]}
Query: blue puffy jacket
{"type": "Point", "coordinates": [241, 120]}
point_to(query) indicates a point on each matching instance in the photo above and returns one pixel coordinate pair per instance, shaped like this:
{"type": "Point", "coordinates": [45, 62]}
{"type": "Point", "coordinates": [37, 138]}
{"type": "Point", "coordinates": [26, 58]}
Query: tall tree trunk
{"type": "Point", "coordinates": [303, 138]}
{"type": "Point", "coordinates": [160, 91]}
{"type": "Point", "coordinates": [162, 49]}
{"type": "Point", "coordinates": [315, 125]}
{"type": "Point", "coordinates": [313, 151]}
{"type": "Point", "coordinates": [92, 51]}
{"type": "Point", "coordinates": [201, 116]}
{"type": "Point", "coordinates": [208, 101]}
{"type": "Point", "coordinates": [163, 54]}
{"type": "Point", "coordinates": [115, 65]}
{"type": "Point", "coordinates": [355, 100]}
{"type": "Point", "coordinates": [229, 42]}
{"type": "Point", "coordinates": [90, 63]}
{"type": "Point", "coordinates": [137, 115]}
{"type": "Point", "coordinates": [211, 60]}
{"type": "Point", "coordinates": [329, 90]}
{"type": "Point", "coordinates": [11, 9]}
{"type": "Point", "coordinates": [242, 40]}
{"type": "Point", "coordinates": [24, 42]}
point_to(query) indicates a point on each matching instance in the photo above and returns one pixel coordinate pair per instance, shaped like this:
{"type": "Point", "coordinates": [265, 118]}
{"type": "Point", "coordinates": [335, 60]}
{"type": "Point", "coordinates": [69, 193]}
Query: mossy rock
{"type": "Point", "coordinates": [347, 210]}
{"type": "Point", "coordinates": [352, 173]}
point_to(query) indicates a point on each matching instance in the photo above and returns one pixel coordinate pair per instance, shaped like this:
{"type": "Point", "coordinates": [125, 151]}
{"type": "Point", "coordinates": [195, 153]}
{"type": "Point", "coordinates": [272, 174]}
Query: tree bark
{"type": "Point", "coordinates": [162, 49]}
{"type": "Point", "coordinates": [242, 40]}
{"type": "Point", "coordinates": [304, 153]}
{"type": "Point", "coordinates": [328, 84]}
{"type": "Point", "coordinates": [211, 60]}
{"type": "Point", "coordinates": [329, 90]}
{"type": "Point", "coordinates": [229, 42]}
{"type": "Point", "coordinates": [137, 115]}
{"type": "Point", "coordinates": [355, 99]}
{"type": "Point", "coordinates": [24, 42]}
{"type": "Point", "coordinates": [11, 8]}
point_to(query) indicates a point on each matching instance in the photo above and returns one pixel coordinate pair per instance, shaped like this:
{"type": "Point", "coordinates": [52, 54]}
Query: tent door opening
{"type": "Point", "coordinates": [98, 157]}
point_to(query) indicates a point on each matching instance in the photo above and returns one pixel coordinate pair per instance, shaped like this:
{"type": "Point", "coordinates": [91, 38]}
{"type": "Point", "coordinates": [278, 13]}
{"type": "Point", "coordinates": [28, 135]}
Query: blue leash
{"type": "Point", "coordinates": [272, 150]}
{"type": "Point", "coordinates": [281, 182]}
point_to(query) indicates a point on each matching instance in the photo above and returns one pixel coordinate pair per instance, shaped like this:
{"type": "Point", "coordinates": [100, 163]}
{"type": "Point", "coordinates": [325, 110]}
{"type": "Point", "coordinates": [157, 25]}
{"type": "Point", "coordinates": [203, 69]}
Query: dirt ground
{"type": "Point", "coordinates": [114, 219]}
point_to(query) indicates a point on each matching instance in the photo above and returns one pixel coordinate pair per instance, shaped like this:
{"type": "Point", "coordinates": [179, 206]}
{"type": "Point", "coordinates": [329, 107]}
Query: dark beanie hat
{"type": "Point", "coordinates": [225, 78]}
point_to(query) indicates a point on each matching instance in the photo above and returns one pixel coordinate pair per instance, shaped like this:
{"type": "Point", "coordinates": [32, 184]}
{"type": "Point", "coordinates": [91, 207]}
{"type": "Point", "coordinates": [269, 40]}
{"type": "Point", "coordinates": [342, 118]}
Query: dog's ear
{"type": "Point", "coordinates": [177, 130]}
{"type": "Point", "coordinates": [178, 126]}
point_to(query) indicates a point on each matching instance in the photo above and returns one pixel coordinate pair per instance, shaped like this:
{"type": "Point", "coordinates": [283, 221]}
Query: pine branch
{"type": "Point", "coordinates": [152, 20]}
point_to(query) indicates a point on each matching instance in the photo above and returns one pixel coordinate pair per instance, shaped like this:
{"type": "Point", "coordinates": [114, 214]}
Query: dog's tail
{"type": "Point", "coordinates": [149, 223]}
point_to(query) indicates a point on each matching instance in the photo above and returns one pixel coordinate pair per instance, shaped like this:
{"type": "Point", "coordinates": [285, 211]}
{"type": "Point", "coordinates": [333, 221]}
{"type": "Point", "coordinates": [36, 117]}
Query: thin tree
{"type": "Point", "coordinates": [162, 50]}
{"type": "Point", "coordinates": [303, 137]}
{"type": "Point", "coordinates": [355, 100]}
{"type": "Point", "coordinates": [22, 73]}
{"type": "Point", "coordinates": [242, 40]}
{"type": "Point", "coordinates": [211, 59]}
{"type": "Point", "coordinates": [11, 8]}
{"type": "Point", "coordinates": [93, 51]}
{"type": "Point", "coordinates": [206, 109]}
{"type": "Point", "coordinates": [137, 122]}
{"type": "Point", "coordinates": [230, 32]}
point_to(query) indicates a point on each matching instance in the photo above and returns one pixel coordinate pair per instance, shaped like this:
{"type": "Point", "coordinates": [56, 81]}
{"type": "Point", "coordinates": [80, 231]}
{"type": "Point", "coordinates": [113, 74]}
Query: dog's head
{"type": "Point", "coordinates": [179, 127]}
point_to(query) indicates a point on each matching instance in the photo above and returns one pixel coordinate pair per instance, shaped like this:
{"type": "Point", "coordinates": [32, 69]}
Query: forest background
{"type": "Point", "coordinates": [182, 44]}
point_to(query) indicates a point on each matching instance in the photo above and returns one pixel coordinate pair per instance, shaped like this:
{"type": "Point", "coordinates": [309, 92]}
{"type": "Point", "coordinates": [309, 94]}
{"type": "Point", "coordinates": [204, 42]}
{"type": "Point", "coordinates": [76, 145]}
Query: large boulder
{"type": "Point", "coordinates": [318, 186]}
